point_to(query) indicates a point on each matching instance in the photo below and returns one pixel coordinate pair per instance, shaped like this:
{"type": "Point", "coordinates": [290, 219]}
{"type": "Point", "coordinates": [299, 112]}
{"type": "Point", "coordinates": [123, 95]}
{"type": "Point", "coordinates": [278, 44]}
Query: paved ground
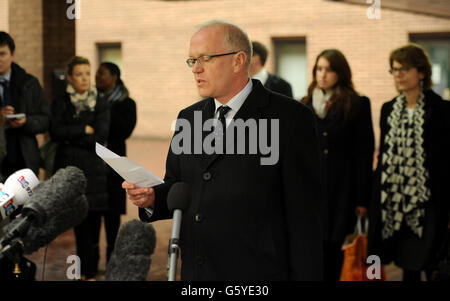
{"type": "Point", "coordinates": [151, 154]}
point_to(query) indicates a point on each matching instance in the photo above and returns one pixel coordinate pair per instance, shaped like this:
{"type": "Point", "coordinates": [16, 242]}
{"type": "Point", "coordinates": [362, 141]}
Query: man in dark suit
{"type": "Point", "coordinates": [257, 70]}
{"type": "Point", "coordinates": [20, 92]}
{"type": "Point", "coordinates": [248, 219]}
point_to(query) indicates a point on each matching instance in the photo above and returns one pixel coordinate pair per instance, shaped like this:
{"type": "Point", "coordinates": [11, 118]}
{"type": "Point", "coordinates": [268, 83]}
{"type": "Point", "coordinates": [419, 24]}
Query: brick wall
{"type": "Point", "coordinates": [59, 40]}
{"type": "Point", "coordinates": [44, 37]}
{"type": "Point", "coordinates": [25, 26]}
{"type": "Point", "coordinates": [4, 15]}
{"type": "Point", "coordinates": [155, 39]}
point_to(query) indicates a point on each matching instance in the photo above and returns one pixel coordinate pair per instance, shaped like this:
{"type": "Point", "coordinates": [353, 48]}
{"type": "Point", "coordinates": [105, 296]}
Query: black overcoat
{"type": "Point", "coordinates": [76, 148]}
{"type": "Point", "coordinates": [123, 121]}
{"type": "Point", "coordinates": [277, 84]}
{"type": "Point", "coordinates": [247, 221]}
{"type": "Point", "coordinates": [30, 99]}
{"type": "Point", "coordinates": [346, 148]}
{"type": "Point", "coordinates": [407, 250]}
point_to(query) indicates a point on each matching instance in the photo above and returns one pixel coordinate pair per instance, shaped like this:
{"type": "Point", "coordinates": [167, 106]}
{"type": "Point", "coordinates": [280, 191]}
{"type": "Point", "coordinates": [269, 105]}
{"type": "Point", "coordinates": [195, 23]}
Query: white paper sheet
{"type": "Point", "coordinates": [127, 169]}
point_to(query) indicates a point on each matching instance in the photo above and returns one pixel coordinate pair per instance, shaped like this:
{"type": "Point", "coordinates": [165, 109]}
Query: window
{"type": "Point", "coordinates": [291, 65]}
{"type": "Point", "coordinates": [437, 46]}
{"type": "Point", "coordinates": [110, 53]}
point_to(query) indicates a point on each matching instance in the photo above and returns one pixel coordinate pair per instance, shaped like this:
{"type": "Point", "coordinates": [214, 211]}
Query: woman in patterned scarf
{"type": "Point", "coordinates": [79, 120]}
{"type": "Point", "coordinates": [409, 214]}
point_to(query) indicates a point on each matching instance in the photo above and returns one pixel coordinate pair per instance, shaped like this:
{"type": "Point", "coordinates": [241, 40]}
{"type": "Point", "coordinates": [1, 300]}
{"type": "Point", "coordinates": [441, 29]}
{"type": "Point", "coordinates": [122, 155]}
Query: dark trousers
{"type": "Point", "coordinates": [87, 238]}
{"type": "Point", "coordinates": [112, 224]}
{"type": "Point", "coordinates": [333, 257]}
{"type": "Point", "coordinates": [414, 276]}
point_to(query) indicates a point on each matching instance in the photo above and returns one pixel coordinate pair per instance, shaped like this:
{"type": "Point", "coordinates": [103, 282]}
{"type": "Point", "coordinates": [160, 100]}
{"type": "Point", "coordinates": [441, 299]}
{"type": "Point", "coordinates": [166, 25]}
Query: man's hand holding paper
{"type": "Point", "coordinates": [127, 169]}
{"type": "Point", "coordinates": [142, 197]}
{"type": "Point", "coordinates": [138, 181]}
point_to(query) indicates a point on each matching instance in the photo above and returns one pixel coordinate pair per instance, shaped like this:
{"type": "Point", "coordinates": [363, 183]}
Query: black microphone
{"type": "Point", "coordinates": [178, 201]}
{"type": "Point", "coordinates": [130, 260]}
{"type": "Point", "coordinates": [56, 205]}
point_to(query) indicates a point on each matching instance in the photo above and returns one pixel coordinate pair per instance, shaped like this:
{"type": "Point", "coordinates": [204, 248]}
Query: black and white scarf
{"type": "Point", "coordinates": [82, 102]}
{"type": "Point", "coordinates": [404, 190]}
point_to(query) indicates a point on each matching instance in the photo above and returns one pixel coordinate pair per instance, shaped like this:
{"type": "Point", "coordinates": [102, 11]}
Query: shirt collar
{"type": "Point", "coordinates": [262, 76]}
{"type": "Point", "coordinates": [6, 77]}
{"type": "Point", "coordinates": [236, 102]}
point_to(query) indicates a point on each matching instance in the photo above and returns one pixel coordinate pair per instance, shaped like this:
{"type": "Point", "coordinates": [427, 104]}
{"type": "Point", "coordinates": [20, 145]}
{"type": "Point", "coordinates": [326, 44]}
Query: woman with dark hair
{"type": "Point", "coordinates": [79, 120]}
{"type": "Point", "coordinates": [123, 120]}
{"type": "Point", "coordinates": [346, 143]}
{"type": "Point", "coordinates": [410, 211]}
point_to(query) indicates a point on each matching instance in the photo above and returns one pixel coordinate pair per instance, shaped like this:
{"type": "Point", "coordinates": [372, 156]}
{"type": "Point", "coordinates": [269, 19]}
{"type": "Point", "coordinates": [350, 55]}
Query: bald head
{"type": "Point", "coordinates": [221, 54]}
{"type": "Point", "coordinates": [234, 37]}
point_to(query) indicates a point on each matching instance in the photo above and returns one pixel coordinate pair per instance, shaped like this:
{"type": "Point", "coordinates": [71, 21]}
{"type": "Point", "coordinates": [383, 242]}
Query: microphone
{"type": "Point", "coordinates": [18, 188]}
{"type": "Point", "coordinates": [56, 205]}
{"type": "Point", "coordinates": [178, 201]}
{"type": "Point", "coordinates": [130, 260]}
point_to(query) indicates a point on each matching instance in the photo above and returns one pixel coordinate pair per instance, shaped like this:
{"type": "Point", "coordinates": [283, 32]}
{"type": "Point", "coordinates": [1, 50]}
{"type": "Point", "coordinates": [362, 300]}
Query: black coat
{"type": "Point", "coordinates": [2, 152]}
{"type": "Point", "coordinates": [30, 99]}
{"type": "Point", "coordinates": [277, 84]}
{"type": "Point", "coordinates": [76, 148]}
{"type": "Point", "coordinates": [247, 221]}
{"type": "Point", "coordinates": [123, 121]}
{"type": "Point", "coordinates": [408, 251]}
{"type": "Point", "coordinates": [347, 150]}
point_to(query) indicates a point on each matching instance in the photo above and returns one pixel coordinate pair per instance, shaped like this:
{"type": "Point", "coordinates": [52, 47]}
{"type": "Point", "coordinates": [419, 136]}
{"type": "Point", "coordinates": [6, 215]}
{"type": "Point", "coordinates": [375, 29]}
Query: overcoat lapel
{"type": "Point", "coordinates": [428, 108]}
{"type": "Point", "coordinates": [259, 97]}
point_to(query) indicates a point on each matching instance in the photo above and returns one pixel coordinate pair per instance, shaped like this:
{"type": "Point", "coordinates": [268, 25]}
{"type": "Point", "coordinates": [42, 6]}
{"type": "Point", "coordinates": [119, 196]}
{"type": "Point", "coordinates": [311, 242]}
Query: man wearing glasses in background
{"type": "Point", "coordinates": [246, 221]}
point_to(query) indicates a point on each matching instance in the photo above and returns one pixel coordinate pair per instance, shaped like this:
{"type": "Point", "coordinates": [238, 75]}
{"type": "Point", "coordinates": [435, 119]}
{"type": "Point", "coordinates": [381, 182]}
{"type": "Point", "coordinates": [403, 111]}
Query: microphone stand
{"type": "Point", "coordinates": [174, 248]}
{"type": "Point", "coordinates": [13, 251]}
{"type": "Point", "coordinates": [11, 245]}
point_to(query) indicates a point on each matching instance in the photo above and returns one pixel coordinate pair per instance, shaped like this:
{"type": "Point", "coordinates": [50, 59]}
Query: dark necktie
{"type": "Point", "coordinates": [223, 110]}
{"type": "Point", "coordinates": [6, 97]}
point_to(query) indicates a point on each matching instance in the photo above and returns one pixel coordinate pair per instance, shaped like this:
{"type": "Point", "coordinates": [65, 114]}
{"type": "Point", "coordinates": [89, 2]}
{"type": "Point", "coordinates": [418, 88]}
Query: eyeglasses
{"type": "Point", "coordinates": [401, 70]}
{"type": "Point", "coordinates": [205, 58]}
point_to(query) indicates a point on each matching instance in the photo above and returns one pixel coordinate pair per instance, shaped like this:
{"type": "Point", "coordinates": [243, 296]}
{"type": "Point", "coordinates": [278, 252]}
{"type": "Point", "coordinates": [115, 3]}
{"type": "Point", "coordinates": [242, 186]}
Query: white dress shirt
{"type": "Point", "coordinates": [235, 104]}
{"type": "Point", "coordinates": [262, 76]}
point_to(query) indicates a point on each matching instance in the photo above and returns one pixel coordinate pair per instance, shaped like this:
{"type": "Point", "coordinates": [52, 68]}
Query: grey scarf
{"type": "Point", "coordinates": [82, 102]}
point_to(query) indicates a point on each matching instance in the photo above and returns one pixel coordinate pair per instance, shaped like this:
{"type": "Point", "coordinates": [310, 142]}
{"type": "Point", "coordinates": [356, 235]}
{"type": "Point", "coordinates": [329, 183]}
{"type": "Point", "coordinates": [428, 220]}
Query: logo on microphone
{"type": "Point", "coordinates": [3, 194]}
{"type": "Point", "coordinates": [8, 206]}
{"type": "Point", "coordinates": [25, 185]}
